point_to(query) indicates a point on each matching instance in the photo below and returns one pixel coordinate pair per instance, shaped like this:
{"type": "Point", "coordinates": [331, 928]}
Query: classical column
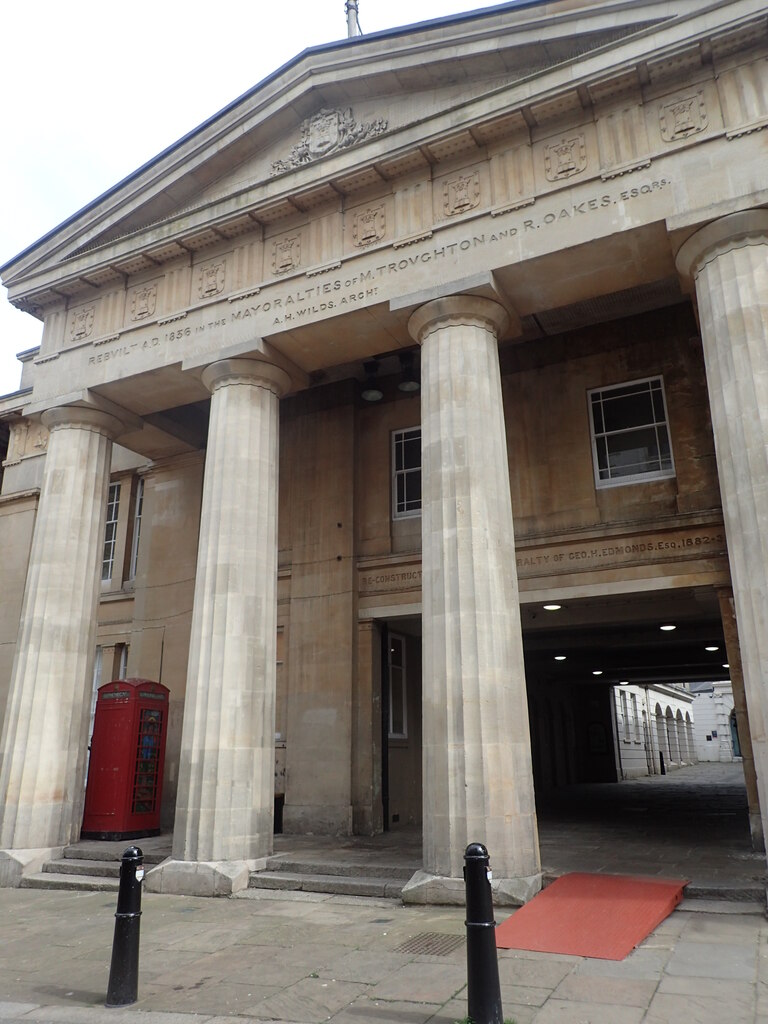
{"type": "Point", "coordinates": [45, 733]}
{"type": "Point", "coordinates": [731, 634]}
{"type": "Point", "coordinates": [729, 262]}
{"type": "Point", "coordinates": [478, 782]}
{"type": "Point", "coordinates": [224, 807]}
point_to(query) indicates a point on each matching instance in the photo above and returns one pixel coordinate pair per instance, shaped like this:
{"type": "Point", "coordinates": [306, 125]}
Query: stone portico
{"type": "Point", "coordinates": [534, 202]}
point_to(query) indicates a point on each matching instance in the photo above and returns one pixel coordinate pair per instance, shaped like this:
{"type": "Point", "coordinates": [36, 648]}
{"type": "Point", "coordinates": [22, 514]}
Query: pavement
{"type": "Point", "coordinates": [305, 958]}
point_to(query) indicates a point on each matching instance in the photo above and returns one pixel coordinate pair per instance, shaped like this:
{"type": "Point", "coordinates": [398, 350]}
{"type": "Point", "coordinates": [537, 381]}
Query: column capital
{"type": "Point", "coordinates": [748, 227]}
{"type": "Point", "coordinates": [257, 372]}
{"type": "Point", "coordinates": [87, 418]}
{"type": "Point", "coordinates": [454, 310]}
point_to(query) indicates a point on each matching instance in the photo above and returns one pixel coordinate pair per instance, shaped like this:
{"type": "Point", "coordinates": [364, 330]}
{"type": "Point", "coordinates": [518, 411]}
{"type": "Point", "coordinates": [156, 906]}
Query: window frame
{"type": "Point", "coordinates": [397, 436]}
{"type": "Point", "coordinates": [109, 549]}
{"type": "Point", "coordinates": [138, 511]}
{"type": "Point", "coordinates": [595, 435]}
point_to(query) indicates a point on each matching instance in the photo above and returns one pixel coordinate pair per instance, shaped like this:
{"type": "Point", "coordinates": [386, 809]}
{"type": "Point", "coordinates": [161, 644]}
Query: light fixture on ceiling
{"type": "Point", "coordinates": [726, 665]}
{"type": "Point", "coordinates": [597, 672]}
{"type": "Point", "coordinates": [712, 648]}
{"type": "Point", "coordinates": [552, 607]}
{"type": "Point", "coordinates": [409, 382]}
{"type": "Point", "coordinates": [371, 391]}
{"type": "Point", "coordinates": [623, 682]}
{"type": "Point", "coordinates": [668, 628]}
{"type": "Point", "coordinates": [559, 657]}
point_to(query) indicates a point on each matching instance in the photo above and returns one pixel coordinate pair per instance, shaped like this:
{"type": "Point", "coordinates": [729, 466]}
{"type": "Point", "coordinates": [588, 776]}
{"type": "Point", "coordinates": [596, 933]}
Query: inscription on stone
{"type": "Point", "coordinates": [683, 117]}
{"type": "Point", "coordinates": [565, 158]}
{"type": "Point", "coordinates": [384, 581]}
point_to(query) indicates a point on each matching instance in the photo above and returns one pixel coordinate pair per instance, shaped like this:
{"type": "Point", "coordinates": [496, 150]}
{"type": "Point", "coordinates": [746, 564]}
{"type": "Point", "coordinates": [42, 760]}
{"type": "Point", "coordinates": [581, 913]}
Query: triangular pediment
{"type": "Point", "coordinates": [336, 112]}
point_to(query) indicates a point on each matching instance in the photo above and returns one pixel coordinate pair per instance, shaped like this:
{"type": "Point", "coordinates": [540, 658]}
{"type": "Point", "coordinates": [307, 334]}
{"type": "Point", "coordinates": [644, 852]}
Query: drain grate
{"type": "Point", "coordinates": [431, 943]}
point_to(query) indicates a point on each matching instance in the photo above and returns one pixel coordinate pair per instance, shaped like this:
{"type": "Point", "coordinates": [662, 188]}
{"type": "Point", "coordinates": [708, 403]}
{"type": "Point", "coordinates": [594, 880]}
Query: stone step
{"type": "Point", "coordinates": [95, 851]}
{"type": "Point", "coordinates": [287, 864]}
{"type": "Point", "coordinates": [334, 884]}
{"type": "Point", "coordinates": [50, 880]}
{"type": "Point", "coordinates": [93, 868]}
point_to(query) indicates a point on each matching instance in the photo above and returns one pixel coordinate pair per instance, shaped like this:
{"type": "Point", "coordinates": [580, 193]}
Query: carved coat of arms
{"type": "Point", "coordinates": [325, 132]}
{"type": "Point", "coordinates": [565, 158]}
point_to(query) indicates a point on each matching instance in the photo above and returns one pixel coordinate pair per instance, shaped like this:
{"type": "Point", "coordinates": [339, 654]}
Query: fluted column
{"type": "Point", "coordinates": [478, 782]}
{"type": "Point", "coordinates": [224, 807]}
{"type": "Point", "coordinates": [45, 733]}
{"type": "Point", "coordinates": [729, 261]}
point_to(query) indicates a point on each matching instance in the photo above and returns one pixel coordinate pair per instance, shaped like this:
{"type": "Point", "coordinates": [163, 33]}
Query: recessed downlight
{"type": "Point", "coordinates": [711, 648]}
{"type": "Point", "coordinates": [597, 672]}
{"type": "Point", "coordinates": [552, 607]}
{"type": "Point", "coordinates": [668, 627]}
{"type": "Point", "coordinates": [623, 682]}
{"type": "Point", "coordinates": [559, 657]}
{"type": "Point", "coordinates": [726, 665]}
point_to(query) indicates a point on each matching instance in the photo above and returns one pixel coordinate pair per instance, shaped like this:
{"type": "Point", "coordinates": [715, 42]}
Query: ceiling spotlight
{"type": "Point", "coordinates": [597, 672]}
{"type": "Point", "coordinates": [667, 629]}
{"type": "Point", "coordinates": [409, 382]}
{"type": "Point", "coordinates": [371, 391]}
{"type": "Point", "coordinates": [623, 682]}
{"type": "Point", "coordinates": [711, 648]}
{"type": "Point", "coordinates": [552, 607]}
{"type": "Point", "coordinates": [726, 665]}
{"type": "Point", "coordinates": [559, 657]}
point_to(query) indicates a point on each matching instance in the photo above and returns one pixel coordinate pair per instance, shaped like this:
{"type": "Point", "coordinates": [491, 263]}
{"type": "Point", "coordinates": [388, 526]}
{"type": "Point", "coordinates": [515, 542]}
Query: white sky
{"type": "Point", "coordinates": [91, 90]}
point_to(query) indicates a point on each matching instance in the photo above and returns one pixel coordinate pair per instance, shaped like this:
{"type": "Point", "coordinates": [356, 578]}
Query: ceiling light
{"type": "Point", "coordinates": [409, 382]}
{"type": "Point", "coordinates": [552, 607]}
{"type": "Point", "coordinates": [559, 657]}
{"type": "Point", "coordinates": [726, 665]}
{"type": "Point", "coordinates": [624, 682]}
{"type": "Point", "coordinates": [667, 629]}
{"type": "Point", "coordinates": [597, 672]}
{"type": "Point", "coordinates": [711, 648]}
{"type": "Point", "coordinates": [371, 391]}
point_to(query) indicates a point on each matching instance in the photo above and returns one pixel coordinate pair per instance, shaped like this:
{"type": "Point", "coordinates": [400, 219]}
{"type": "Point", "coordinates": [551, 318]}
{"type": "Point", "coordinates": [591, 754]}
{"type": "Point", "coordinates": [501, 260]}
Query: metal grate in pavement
{"type": "Point", "coordinates": [431, 943]}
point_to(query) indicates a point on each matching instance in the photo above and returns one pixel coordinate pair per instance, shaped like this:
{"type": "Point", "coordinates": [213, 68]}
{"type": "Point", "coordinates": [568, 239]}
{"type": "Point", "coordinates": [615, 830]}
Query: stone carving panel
{"type": "Point", "coordinates": [211, 278]}
{"type": "Point", "coordinates": [369, 225]}
{"type": "Point", "coordinates": [565, 158]}
{"type": "Point", "coordinates": [681, 118]}
{"type": "Point", "coordinates": [27, 438]}
{"type": "Point", "coordinates": [286, 254]}
{"type": "Point", "coordinates": [142, 301]}
{"type": "Point", "coordinates": [461, 194]}
{"type": "Point", "coordinates": [81, 323]}
{"type": "Point", "coordinates": [328, 131]}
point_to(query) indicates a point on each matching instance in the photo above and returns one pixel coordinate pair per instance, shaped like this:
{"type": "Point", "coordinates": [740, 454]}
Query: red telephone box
{"type": "Point", "coordinates": [125, 773]}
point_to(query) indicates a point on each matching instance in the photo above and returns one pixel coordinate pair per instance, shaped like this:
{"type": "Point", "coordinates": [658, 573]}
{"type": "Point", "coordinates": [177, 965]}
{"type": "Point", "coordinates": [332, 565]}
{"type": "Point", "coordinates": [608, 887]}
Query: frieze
{"type": "Point", "coordinates": [326, 132]}
{"type": "Point", "coordinates": [286, 254]}
{"type": "Point", "coordinates": [681, 118]}
{"type": "Point", "coordinates": [565, 158]}
{"type": "Point", "coordinates": [143, 301]}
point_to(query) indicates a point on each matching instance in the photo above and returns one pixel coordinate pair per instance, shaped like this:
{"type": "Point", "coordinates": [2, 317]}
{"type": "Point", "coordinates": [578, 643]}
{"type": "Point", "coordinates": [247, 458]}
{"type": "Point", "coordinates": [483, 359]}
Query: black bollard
{"type": "Point", "coordinates": [483, 990]}
{"type": "Point", "coordinates": [123, 985]}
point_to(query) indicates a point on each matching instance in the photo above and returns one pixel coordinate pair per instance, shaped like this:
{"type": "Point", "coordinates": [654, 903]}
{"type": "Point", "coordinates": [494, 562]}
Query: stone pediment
{"type": "Point", "coordinates": [342, 118]}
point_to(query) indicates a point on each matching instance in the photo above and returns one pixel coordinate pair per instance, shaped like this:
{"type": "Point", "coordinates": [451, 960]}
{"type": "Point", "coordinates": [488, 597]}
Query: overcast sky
{"type": "Point", "coordinates": [91, 90]}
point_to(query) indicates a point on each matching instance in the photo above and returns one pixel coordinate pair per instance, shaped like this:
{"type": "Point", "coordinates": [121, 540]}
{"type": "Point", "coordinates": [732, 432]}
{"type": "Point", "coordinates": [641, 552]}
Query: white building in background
{"type": "Point", "coordinates": [715, 731]}
{"type": "Point", "coordinates": [654, 729]}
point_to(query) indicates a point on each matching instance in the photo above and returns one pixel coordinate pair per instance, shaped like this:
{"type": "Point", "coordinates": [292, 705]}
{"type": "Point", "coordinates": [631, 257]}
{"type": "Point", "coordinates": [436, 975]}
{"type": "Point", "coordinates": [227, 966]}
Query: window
{"type": "Point", "coordinates": [110, 533]}
{"type": "Point", "coordinates": [136, 529]}
{"type": "Point", "coordinates": [630, 438]}
{"type": "Point", "coordinates": [635, 717]}
{"type": "Point", "coordinates": [398, 720]}
{"type": "Point", "coordinates": [406, 462]}
{"type": "Point", "coordinates": [624, 715]}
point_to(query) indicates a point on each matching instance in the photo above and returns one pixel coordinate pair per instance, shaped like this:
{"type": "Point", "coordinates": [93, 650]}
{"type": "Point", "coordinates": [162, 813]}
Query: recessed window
{"type": "Point", "coordinates": [137, 514]}
{"type": "Point", "coordinates": [630, 437]}
{"type": "Point", "coordinates": [110, 533]}
{"type": "Point", "coordinates": [406, 466]}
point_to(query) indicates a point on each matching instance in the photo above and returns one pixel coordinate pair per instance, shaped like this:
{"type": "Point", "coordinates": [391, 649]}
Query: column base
{"type": "Point", "coordinates": [507, 892]}
{"type": "Point", "coordinates": [202, 878]}
{"type": "Point", "coordinates": [15, 864]}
